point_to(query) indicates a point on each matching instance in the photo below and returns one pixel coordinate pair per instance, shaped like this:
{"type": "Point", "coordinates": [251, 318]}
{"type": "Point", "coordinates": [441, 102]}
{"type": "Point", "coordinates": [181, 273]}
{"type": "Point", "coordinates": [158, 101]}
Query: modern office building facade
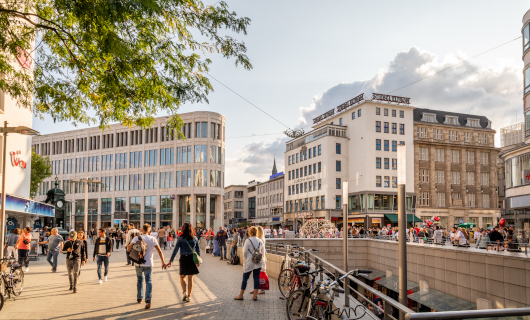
{"type": "Point", "coordinates": [235, 205]}
{"type": "Point", "coordinates": [357, 144]}
{"type": "Point", "coordinates": [151, 174]}
{"type": "Point", "coordinates": [455, 168]}
{"type": "Point", "coordinates": [517, 159]}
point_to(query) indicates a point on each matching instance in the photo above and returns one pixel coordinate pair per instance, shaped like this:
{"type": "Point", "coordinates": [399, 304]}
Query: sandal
{"type": "Point", "coordinates": [238, 298]}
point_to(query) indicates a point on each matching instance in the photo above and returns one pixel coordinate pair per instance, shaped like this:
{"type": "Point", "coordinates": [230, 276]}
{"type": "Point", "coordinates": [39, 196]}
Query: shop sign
{"type": "Point", "coordinates": [358, 220]}
{"type": "Point", "coordinates": [15, 160]}
{"type": "Point", "coordinates": [11, 223]}
{"type": "Point", "coordinates": [526, 176]}
{"type": "Point", "coordinates": [385, 97]}
{"type": "Point", "coordinates": [334, 218]}
{"type": "Point", "coordinates": [276, 175]}
{"type": "Point", "coordinates": [276, 219]}
{"type": "Point", "coordinates": [304, 214]}
{"type": "Point", "coordinates": [37, 224]}
{"type": "Point", "coordinates": [376, 220]}
{"type": "Point", "coordinates": [14, 203]}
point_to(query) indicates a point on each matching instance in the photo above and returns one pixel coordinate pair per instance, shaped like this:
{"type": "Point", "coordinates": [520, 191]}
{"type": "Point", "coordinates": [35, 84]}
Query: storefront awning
{"type": "Point", "coordinates": [410, 218]}
{"type": "Point", "coordinates": [440, 301]}
{"type": "Point", "coordinates": [392, 283]}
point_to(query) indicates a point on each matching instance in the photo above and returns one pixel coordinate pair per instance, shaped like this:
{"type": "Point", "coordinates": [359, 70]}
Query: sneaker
{"type": "Point", "coordinates": [26, 270]}
{"type": "Point", "coordinates": [105, 278]}
{"type": "Point", "coordinates": [118, 250]}
{"type": "Point", "coordinates": [100, 281]}
{"type": "Point", "coordinates": [148, 305]}
{"type": "Point", "coordinates": [75, 290]}
{"type": "Point", "coordinates": [187, 299]}
{"type": "Point", "coordinates": [139, 300]}
{"type": "Point", "coordinates": [184, 298]}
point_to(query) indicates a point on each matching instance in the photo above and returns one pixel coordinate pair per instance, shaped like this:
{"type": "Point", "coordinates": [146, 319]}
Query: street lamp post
{"type": "Point", "coordinates": [345, 241]}
{"type": "Point", "coordinates": [402, 225]}
{"type": "Point", "coordinates": [86, 181]}
{"type": "Point", "coordinates": [5, 130]}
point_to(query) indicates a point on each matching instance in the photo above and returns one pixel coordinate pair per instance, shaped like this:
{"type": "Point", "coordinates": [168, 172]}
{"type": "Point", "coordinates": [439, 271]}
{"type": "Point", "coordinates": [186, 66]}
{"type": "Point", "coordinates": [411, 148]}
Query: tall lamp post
{"type": "Point", "coordinates": [5, 130]}
{"type": "Point", "coordinates": [345, 241]}
{"type": "Point", "coordinates": [402, 225]}
{"type": "Point", "coordinates": [86, 181]}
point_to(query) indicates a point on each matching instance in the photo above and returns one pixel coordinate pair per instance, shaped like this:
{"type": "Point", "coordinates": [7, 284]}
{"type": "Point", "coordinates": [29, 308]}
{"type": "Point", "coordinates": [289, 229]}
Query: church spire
{"type": "Point", "coordinates": [274, 170]}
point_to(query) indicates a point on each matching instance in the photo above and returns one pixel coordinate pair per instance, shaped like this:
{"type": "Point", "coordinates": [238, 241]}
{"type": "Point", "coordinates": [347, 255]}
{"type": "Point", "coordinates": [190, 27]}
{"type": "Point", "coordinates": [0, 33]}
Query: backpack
{"type": "Point", "coordinates": [256, 256]}
{"type": "Point", "coordinates": [137, 253]}
{"type": "Point", "coordinates": [235, 260]}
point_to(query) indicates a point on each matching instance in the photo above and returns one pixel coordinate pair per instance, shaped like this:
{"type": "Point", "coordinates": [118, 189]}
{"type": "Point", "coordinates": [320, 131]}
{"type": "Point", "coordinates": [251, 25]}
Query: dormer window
{"type": "Point", "coordinates": [473, 122]}
{"type": "Point", "coordinates": [489, 124]}
{"type": "Point", "coordinates": [428, 117]}
{"type": "Point", "coordinates": [451, 120]}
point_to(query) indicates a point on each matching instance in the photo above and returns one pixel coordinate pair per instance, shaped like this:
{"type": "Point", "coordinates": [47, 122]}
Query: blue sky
{"type": "Point", "coordinates": [310, 56]}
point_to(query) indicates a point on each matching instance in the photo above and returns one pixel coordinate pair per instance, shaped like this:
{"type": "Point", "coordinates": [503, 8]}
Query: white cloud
{"type": "Point", "coordinates": [493, 91]}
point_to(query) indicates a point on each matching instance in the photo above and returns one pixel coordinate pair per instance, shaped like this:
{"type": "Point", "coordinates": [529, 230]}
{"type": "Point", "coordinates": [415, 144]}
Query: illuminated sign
{"type": "Point", "coordinates": [385, 97]}
{"type": "Point", "coordinates": [15, 160]}
{"type": "Point", "coordinates": [276, 175]}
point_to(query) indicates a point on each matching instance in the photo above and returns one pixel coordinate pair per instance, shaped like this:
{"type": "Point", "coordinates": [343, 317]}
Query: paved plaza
{"type": "Point", "coordinates": [46, 294]}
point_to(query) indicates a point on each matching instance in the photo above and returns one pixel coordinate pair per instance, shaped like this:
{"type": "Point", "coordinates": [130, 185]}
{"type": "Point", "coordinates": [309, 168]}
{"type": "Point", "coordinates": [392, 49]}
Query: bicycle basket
{"type": "Point", "coordinates": [302, 267]}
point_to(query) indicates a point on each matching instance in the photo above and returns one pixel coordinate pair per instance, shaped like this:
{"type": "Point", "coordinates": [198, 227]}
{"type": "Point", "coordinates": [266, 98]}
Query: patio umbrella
{"type": "Point", "coordinates": [467, 225]}
{"type": "Point", "coordinates": [490, 227]}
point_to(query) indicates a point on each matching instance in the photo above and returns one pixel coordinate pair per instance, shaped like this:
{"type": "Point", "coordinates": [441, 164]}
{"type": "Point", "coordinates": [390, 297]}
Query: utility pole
{"type": "Point", "coordinates": [402, 226]}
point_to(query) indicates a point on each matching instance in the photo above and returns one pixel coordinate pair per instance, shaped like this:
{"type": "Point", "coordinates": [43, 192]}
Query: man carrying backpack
{"type": "Point", "coordinates": [221, 239]}
{"type": "Point", "coordinates": [102, 249]}
{"type": "Point", "coordinates": [144, 247]}
{"type": "Point", "coordinates": [131, 233]}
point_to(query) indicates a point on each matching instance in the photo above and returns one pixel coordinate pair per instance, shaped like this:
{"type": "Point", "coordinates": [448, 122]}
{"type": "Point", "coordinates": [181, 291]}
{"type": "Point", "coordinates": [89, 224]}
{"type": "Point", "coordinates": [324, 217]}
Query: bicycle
{"type": "Point", "coordinates": [306, 303]}
{"type": "Point", "coordinates": [289, 279]}
{"type": "Point", "coordinates": [286, 263]}
{"type": "Point", "coordinates": [12, 282]}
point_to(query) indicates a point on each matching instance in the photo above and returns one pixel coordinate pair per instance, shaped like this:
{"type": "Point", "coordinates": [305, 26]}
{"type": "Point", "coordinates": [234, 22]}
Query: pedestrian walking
{"type": "Point", "coordinates": [131, 234]}
{"type": "Point", "coordinates": [221, 239]}
{"type": "Point", "coordinates": [11, 244]}
{"type": "Point", "coordinates": [209, 237]}
{"type": "Point", "coordinates": [169, 240]}
{"type": "Point", "coordinates": [23, 246]}
{"type": "Point", "coordinates": [188, 244]}
{"type": "Point", "coordinates": [261, 236]}
{"type": "Point", "coordinates": [74, 250]}
{"type": "Point", "coordinates": [251, 262]}
{"type": "Point", "coordinates": [102, 249]}
{"type": "Point", "coordinates": [81, 237]}
{"type": "Point", "coordinates": [162, 238]}
{"type": "Point", "coordinates": [235, 240]}
{"type": "Point", "coordinates": [145, 270]}
{"type": "Point", "coordinates": [55, 244]}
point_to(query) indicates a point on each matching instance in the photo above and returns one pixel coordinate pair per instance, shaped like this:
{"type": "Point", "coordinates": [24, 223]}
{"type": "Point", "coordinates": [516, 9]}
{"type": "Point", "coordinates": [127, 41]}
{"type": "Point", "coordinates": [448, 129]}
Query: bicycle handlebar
{"type": "Point", "coordinates": [312, 272]}
{"type": "Point", "coordinates": [354, 271]}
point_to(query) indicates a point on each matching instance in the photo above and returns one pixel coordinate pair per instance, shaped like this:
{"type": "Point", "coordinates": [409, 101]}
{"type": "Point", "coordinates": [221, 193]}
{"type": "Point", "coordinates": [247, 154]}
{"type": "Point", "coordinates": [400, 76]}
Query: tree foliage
{"type": "Point", "coordinates": [41, 168]}
{"type": "Point", "coordinates": [124, 59]}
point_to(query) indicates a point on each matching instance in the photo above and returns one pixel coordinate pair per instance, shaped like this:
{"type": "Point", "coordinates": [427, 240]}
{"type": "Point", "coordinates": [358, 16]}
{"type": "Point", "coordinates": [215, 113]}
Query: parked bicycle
{"type": "Point", "coordinates": [289, 279]}
{"type": "Point", "coordinates": [307, 303]}
{"type": "Point", "coordinates": [12, 278]}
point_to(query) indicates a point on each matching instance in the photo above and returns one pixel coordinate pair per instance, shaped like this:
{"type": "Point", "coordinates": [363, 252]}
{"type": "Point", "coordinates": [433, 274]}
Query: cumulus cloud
{"type": "Point", "coordinates": [493, 91]}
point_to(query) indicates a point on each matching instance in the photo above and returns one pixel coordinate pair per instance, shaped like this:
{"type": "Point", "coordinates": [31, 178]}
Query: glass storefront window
{"type": "Point", "coordinates": [135, 204]}
{"type": "Point", "coordinates": [166, 204]}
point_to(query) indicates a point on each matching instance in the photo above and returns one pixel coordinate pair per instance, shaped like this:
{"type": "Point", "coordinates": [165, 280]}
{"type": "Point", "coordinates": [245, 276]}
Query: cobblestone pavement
{"type": "Point", "coordinates": [46, 294]}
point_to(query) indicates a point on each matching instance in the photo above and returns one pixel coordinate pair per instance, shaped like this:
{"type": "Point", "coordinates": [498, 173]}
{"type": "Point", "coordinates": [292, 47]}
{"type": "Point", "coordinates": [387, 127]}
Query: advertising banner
{"type": "Point", "coordinates": [14, 203]}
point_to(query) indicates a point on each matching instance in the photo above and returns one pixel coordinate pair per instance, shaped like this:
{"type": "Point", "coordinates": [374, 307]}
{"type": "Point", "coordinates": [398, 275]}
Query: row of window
{"type": "Point", "coordinates": [439, 156]}
{"type": "Point", "coordinates": [386, 163]}
{"type": "Point", "coordinates": [385, 181]}
{"type": "Point", "coordinates": [303, 155]}
{"type": "Point", "coordinates": [304, 172]}
{"type": "Point", "coordinates": [386, 127]}
{"type": "Point", "coordinates": [306, 204]}
{"type": "Point", "coordinates": [270, 199]}
{"type": "Point", "coordinates": [437, 134]}
{"type": "Point", "coordinates": [237, 205]}
{"type": "Point", "coordinates": [386, 145]}
{"type": "Point", "coordinates": [440, 197]}
{"type": "Point", "coordinates": [385, 112]}
{"type": "Point", "coordinates": [306, 187]}
{"type": "Point", "coordinates": [439, 177]}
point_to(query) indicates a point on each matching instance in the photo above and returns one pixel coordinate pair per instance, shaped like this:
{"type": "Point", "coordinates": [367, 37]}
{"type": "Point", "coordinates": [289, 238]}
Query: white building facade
{"type": "Point", "coordinates": [149, 174]}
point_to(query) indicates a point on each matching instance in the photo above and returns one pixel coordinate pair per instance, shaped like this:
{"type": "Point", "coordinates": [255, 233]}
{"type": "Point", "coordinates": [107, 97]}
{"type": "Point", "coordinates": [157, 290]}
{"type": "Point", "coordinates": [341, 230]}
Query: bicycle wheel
{"type": "Point", "coordinates": [283, 265]}
{"type": "Point", "coordinates": [284, 282]}
{"type": "Point", "coordinates": [18, 281]}
{"type": "Point", "coordinates": [317, 311]}
{"type": "Point", "coordinates": [1, 301]}
{"type": "Point", "coordinates": [297, 305]}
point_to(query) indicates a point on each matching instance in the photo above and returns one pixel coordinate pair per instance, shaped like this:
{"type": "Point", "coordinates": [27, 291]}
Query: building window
{"type": "Point", "coordinates": [394, 182]}
{"type": "Point", "coordinates": [455, 156]}
{"type": "Point", "coordinates": [394, 164]}
{"type": "Point", "coordinates": [485, 158]}
{"type": "Point", "coordinates": [309, 153]}
{"type": "Point", "coordinates": [473, 123]}
{"type": "Point", "coordinates": [451, 120]}
{"type": "Point", "coordinates": [319, 150]}
{"type": "Point", "coordinates": [378, 181]}
{"type": "Point", "coordinates": [377, 111]}
{"type": "Point", "coordinates": [322, 202]}
{"type": "Point", "coordinates": [387, 163]}
{"type": "Point", "coordinates": [319, 184]}
{"type": "Point", "coordinates": [319, 167]}
{"type": "Point", "coordinates": [483, 138]}
{"type": "Point", "coordinates": [387, 182]}
{"type": "Point", "coordinates": [378, 126]}
{"type": "Point", "coordinates": [340, 121]}
{"type": "Point", "coordinates": [387, 147]}
{"type": "Point", "coordinates": [422, 133]}
{"type": "Point", "coordinates": [455, 177]}
{"type": "Point", "coordinates": [439, 176]}
{"type": "Point", "coordinates": [470, 157]}
{"type": "Point", "coordinates": [337, 183]}
{"type": "Point", "coordinates": [424, 176]}
{"type": "Point", "coordinates": [401, 114]}
{"type": "Point", "coordinates": [378, 163]}
{"type": "Point", "coordinates": [485, 200]}
{"type": "Point", "coordinates": [359, 113]}
{"type": "Point", "coordinates": [338, 202]}
{"type": "Point", "coordinates": [440, 199]}
{"type": "Point", "coordinates": [428, 117]}
{"type": "Point", "coordinates": [394, 146]}
{"type": "Point", "coordinates": [394, 128]}
{"type": "Point", "coordinates": [485, 178]}
{"type": "Point", "coordinates": [352, 117]}
{"type": "Point", "coordinates": [424, 154]}
{"type": "Point", "coordinates": [423, 199]}
{"type": "Point", "coordinates": [337, 148]}
{"type": "Point", "coordinates": [437, 134]}
{"type": "Point", "coordinates": [385, 112]}
{"type": "Point", "coordinates": [439, 155]}
{"type": "Point", "coordinates": [377, 144]}
{"type": "Point", "coordinates": [305, 171]}
{"type": "Point", "coordinates": [337, 165]}
{"type": "Point", "coordinates": [401, 128]}
{"type": "Point", "coordinates": [453, 135]}
{"type": "Point", "coordinates": [310, 166]}
{"type": "Point", "coordinates": [471, 178]}
{"type": "Point", "coordinates": [394, 113]}
{"type": "Point", "coordinates": [386, 127]}
{"type": "Point", "coordinates": [471, 200]}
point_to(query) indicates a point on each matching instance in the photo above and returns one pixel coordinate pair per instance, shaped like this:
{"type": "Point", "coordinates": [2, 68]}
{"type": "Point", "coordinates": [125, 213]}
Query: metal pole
{"type": "Point", "coordinates": [402, 224]}
{"type": "Point", "coordinates": [3, 201]}
{"type": "Point", "coordinates": [345, 256]}
{"type": "Point", "coordinates": [86, 206]}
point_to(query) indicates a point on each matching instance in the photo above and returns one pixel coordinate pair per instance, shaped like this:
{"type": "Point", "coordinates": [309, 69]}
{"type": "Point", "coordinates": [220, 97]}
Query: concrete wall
{"type": "Point", "coordinates": [502, 278]}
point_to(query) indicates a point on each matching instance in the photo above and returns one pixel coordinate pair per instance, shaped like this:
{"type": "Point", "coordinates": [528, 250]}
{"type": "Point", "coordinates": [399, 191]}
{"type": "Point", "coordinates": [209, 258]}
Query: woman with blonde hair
{"type": "Point", "coordinates": [252, 245]}
{"type": "Point", "coordinates": [261, 236]}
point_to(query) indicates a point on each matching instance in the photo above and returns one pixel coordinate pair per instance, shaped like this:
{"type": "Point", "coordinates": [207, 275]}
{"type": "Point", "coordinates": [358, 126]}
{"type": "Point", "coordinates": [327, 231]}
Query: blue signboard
{"type": "Point", "coordinates": [11, 223]}
{"type": "Point", "coordinates": [29, 206]}
{"type": "Point", "coordinates": [276, 175]}
{"type": "Point", "coordinates": [276, 219]}
{"type": "Point", "coordinates": [37, 224]}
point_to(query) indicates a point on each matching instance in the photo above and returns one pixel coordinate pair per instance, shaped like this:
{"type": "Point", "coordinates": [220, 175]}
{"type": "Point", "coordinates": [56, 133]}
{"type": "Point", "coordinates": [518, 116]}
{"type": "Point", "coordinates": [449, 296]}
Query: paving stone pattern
{"type": "Point", "coordinates": [46, 294]}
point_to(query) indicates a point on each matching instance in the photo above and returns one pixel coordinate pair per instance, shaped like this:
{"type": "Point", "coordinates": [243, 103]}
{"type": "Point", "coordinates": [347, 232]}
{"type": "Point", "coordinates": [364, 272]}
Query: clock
{"type": "Point", "coordinates": [60, 204]}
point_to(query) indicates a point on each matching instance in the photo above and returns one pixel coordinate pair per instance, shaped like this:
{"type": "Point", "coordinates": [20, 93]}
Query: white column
{"type": "Point", "coordinates": [207, 211]}
{"type": "Point", "coordinates": [193, 210]}
{"type": "Point", "coordinates": [175, 213]}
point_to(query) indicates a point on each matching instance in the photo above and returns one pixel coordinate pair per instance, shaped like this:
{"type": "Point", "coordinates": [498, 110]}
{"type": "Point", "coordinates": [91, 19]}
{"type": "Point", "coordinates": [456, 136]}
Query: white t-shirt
{"type": "Point", "coordinates": [462, 238]}
{"type": "Point", "coordinates": [280, 231]}
{"type": "Point", "coordinates": [267, 232]}
{"type": "Point", "coordinates": [275, 232]}
{"type": "Point", "coordinates": [151, 242]}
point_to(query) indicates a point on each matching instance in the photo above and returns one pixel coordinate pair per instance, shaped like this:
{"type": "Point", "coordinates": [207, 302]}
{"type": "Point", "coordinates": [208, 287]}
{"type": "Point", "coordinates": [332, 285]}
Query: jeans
{"type": "Point", "coordinates": [12, 250]}
{"type": "Point", "coordinates": [53, 254]}
{"type": "Point", "coordinates": [221, 246]}
{"type": "Point", "coordinates": [255, 275]}
{"type": "Point", "coordinates": [142, 272]}
{"type": "Point", "coordinates": [23, 257]}
{"type": "Point", "coordinates": [209, 243]}
{"type": "Point", "coordinates": [233, 252]}
{"type": "Point", "coordinates": [101, 260]}
{"type": "Point", "coordinates": [73, 266]}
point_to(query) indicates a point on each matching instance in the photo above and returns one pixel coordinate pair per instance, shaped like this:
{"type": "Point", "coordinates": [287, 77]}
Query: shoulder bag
{"type": "Point", "coordinates": [196, 258]}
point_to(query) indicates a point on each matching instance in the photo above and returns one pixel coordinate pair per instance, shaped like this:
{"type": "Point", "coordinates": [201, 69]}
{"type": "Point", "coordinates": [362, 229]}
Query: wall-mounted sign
{"type": "Point", "coordinates": [526, 176]}
{"type": "Point", "coordinates": [276, 219]}
{"type": "Point", "coordinates": [276, 175]}
{"type": "Point", "coordinates": [324, 116]}
{"type": "Point", "coordinates": [376, 220]}
{"type": "Point", "coordinates": [14, 203]}
{"type": "Point", "coordinates": [11, 223]}
{"type": "Point", "coordinates": [350, 103]}
{"type": "Point", "coordinates": [385, 97]}
{"type": "Point", "coordinates": [15, 160]}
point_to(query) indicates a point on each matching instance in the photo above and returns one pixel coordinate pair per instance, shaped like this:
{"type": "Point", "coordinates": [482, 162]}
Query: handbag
{"type": "Point", "coordinates": [196, 258]}
{"type": "Point", "coordinates": [263, 281]}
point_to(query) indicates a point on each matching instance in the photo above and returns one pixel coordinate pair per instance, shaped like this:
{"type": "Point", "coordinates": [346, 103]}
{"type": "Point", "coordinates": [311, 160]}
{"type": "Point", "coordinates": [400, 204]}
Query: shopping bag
{"type": "Point", "coordinates": [263, 281]}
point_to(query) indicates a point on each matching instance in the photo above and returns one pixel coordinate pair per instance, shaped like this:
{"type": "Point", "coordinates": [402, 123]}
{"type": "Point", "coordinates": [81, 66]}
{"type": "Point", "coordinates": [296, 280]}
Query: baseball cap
{"type": "Point", "coordinates": [73, 234]}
